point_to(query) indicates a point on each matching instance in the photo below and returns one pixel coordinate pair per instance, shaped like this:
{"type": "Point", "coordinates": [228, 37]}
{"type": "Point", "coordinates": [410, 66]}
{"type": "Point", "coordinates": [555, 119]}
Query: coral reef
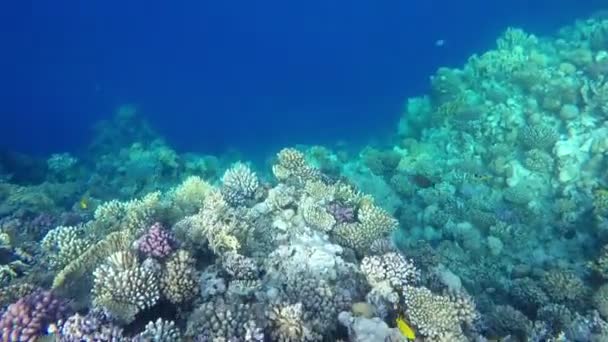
{"type": "Point", "coordinates": [486, 219]}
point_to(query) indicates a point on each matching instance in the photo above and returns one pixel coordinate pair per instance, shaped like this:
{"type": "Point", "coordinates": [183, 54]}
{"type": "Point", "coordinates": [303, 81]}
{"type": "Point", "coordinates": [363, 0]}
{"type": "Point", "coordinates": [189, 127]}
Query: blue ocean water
{"type": "Point", "coordinates": [252, 76]}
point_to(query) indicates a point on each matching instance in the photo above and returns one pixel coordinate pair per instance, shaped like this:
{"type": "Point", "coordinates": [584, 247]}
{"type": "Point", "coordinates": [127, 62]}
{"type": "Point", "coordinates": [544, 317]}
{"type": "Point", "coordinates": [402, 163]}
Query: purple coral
{"type": "Point", "coordinates": [157, 242]}
{"type": "Point", "coordinates": [31, 316]}
{"type": "Point", "coordinates": [342, 213]}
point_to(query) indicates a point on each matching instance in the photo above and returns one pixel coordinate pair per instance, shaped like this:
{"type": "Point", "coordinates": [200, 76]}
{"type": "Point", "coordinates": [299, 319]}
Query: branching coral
{"type": "Point", "coordinates": [239, 185]}
{"type": "Point", "coordinates": [179, 279]}
{"type": "Point", "coordinates": [88, 260]}
{"type": "Point", "coordinates": [434, 315]}
{"type": "Point", "coordinates": [159, 331]}
{"type": "Point", "coordinates": [221, 320]}
{"type": "Point", "coordinates": [291, 166]}
{"type": "Point", "coordinates": [64, 244]}
{"type": "Point", "coordinates": [123, 287]}
{"type": "Point", "coordinates": [187, 198]}
{"type": "Point", "coordinates": [287, 324]}
{"type": "Point", "coordinates": [157, 242]}
{"type": "Point", "coordinates": [31, 316]}
{"type": "Point", "coordinates": [373, 223]}
{"type": "Point", "coordinates": [132, 216]}
{"type": "Point", "coordinates": [391, 268]}
{"type": "Point", "coordinates": [564, 286]}
{"type": "Point", "coordinates": [78, 328]}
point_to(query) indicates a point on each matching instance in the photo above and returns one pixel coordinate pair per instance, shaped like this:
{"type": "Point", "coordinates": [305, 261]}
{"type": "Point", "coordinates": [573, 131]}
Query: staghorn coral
{"type": "Point", "coordinates": [61, 245]}
{"type": "Point", "coordinates": [123, 287]}
{"type": "Point", "coordinates": [157, 242]}
{"type": "Point", "coordinates": [179, 279]}
{"type": "Point", "coordinates": [239, 185]}
{"type": "Point", "coordinates": [373, 223]}
{"type": "Point", "coordinates": [31, 316]}
{"type": "Point", "coordinates": [159, 331]}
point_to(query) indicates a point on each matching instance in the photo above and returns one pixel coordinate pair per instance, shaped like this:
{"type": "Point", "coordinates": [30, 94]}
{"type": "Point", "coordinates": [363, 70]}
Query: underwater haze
{"type": "Point", "coordinates": [214, 75]}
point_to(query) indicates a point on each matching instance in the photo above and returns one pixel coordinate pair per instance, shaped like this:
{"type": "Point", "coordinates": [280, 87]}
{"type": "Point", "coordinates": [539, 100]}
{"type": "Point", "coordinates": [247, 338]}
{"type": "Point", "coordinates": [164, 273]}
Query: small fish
{"type": "Point", "coordinates": [482, 177]}
{"type": "Point", "coordinates": [84, 204]}
{"type": "Point", "coordinates": [405, 328]}
{"type": "Point", "coordinates": [439, 43]}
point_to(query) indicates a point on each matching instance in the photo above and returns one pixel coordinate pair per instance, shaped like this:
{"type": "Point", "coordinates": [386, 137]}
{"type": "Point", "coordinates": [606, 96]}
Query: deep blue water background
{"type": "Point", "coordinates": [251, 75]}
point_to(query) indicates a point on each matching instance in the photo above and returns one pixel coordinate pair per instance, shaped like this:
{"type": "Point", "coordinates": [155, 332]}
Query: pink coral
{"type": "Point", "coordinates": [31, 316]}
{"type": "Point", "coordinates": [157, 242]}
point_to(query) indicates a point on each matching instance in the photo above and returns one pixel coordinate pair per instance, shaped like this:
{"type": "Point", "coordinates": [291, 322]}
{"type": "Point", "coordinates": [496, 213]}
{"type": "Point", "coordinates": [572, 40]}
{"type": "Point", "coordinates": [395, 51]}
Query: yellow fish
{"type": "Point", "coordinates": [405, 328]}
{"type": "Point", "coordinates": [83, 203]}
